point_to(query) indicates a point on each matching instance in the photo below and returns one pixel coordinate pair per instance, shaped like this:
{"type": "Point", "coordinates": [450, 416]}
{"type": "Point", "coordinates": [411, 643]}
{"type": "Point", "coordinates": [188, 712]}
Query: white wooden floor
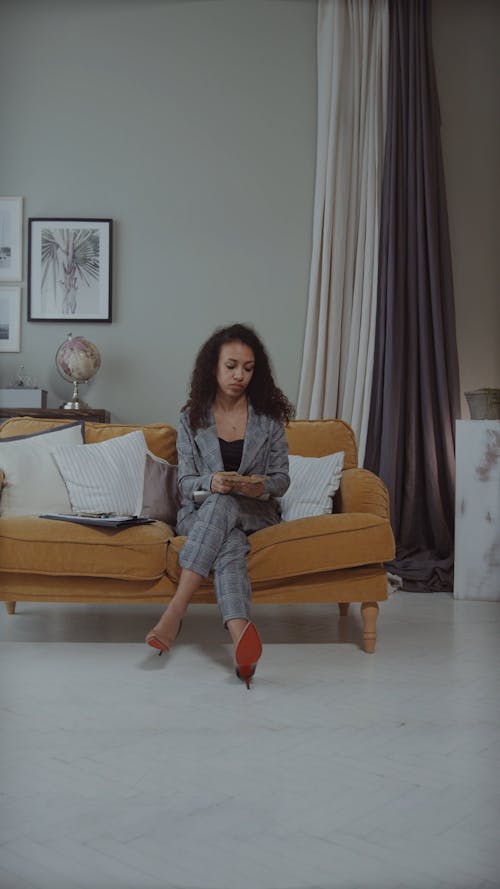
{"type": "Point", "coordinates": [338, 770]}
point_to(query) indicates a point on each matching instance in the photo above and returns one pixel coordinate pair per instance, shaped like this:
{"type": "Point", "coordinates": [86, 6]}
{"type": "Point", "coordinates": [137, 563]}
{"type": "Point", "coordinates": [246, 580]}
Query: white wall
{"type": "Point", "coordinates": [192, 125]}
{"type": "Point", "coordinates": [466, 38]}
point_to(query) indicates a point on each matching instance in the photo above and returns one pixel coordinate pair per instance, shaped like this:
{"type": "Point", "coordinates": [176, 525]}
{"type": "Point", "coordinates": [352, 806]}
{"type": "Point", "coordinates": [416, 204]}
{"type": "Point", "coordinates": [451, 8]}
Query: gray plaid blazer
{"type": "Point", "coordinates": [265, 452]}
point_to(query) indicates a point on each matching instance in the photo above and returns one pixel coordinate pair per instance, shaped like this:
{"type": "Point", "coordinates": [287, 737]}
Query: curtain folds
{"type": "Point", "coordinates": [415, 393]}
{"type": "Point", "coordinates": [336, 375]}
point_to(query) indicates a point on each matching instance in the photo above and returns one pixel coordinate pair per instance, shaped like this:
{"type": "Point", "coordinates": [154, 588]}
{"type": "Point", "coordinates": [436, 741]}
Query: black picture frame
{"type": "Point", "coordinates": [70, 269]}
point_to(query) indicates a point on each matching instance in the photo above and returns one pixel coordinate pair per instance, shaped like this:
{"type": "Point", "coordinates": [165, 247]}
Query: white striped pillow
{"type": "Point", "coordinates": [313, 483]}
{"type": "Point", "coordinates": [105, 477]}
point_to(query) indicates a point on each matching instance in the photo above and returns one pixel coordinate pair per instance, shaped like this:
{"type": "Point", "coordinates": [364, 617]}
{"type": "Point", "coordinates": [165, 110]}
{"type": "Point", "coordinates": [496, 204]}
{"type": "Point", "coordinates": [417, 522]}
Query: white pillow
{"type": "Point", "coordinates": [313, 483]}
{"type": "Point", "coordinates": [107, 476]}
{"type": "Point", "coordinates": [33, 484]}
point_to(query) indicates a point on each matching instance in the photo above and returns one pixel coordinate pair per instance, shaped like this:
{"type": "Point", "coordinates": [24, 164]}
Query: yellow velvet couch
{"type": "Point", "coordinates": [329, 558]}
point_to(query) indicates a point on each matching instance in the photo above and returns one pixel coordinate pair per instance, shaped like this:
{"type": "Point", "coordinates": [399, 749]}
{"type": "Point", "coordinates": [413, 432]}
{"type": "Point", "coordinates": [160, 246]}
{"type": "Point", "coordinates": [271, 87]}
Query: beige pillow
{"type": "Point", "coordinates": [32, 482]}
{"type": "Point", "coordinates": [160, 497]}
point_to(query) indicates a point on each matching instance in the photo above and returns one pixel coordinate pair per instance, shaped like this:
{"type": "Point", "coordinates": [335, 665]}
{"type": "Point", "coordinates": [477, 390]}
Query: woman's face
{"type": "Point", "coordinates": [234, 368]}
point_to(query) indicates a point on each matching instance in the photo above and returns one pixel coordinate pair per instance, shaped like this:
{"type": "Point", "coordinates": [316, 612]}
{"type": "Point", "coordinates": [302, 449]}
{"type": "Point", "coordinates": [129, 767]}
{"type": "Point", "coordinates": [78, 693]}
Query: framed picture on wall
{"type": "Point", "coordinates": [69, 269]}
{"type": "Point", "coordinates": [11, 237]}
{"type": "Point", "coordinates": [10, 318]}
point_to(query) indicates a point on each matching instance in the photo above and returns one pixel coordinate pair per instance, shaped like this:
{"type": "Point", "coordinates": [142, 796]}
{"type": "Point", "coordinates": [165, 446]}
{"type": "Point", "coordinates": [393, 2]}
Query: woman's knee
{"type": "Point", "coordinates": [224, 505]}
{"type": "Point", "coordinates": [233, 553]}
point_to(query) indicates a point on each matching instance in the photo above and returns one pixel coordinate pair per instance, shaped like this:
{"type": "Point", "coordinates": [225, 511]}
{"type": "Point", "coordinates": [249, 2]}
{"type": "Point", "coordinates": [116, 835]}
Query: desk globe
{"type": "Point", "coordinates": [78, 361]}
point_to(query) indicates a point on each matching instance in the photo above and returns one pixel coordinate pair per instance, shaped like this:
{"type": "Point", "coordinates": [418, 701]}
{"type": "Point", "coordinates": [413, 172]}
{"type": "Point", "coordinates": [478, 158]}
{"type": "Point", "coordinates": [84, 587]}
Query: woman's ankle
{"type": "Point", "coordinates": [173, 612]}
{"type": "Point", "coordinates": [236, 626]}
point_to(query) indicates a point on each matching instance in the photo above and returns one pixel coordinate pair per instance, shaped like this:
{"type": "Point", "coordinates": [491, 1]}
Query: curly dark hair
{"type": "Point", "coordinates": [262, 392]}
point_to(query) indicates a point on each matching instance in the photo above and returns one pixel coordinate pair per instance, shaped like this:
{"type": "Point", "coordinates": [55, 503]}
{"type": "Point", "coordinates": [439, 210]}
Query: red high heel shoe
{"type": "Point", "coordinates": [246, 653]}
{"type": "Point", "coordinates": [156, 641]}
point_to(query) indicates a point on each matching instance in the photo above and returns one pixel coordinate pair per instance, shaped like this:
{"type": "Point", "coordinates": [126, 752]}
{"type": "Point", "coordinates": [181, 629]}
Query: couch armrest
{"type": "Point", "coordinates": [362, 491]}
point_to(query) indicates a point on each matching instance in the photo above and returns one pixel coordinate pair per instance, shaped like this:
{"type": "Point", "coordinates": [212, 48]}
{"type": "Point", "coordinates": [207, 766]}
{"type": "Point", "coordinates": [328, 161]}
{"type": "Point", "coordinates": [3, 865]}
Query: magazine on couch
{"type": "Point", "coordinates": [100, 520]}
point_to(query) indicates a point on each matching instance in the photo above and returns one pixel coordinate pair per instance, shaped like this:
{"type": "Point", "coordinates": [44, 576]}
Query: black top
{"type": "Point", "coordinates": [231, 453]}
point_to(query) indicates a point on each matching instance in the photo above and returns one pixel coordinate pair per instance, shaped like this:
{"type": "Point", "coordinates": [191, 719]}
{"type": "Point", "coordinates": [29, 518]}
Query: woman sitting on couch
{"type": "Point", "coordinates": [233, 464]}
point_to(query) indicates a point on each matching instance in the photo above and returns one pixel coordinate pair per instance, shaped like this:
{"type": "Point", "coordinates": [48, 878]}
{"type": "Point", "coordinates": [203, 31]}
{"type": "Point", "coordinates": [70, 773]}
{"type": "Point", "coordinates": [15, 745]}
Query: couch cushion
{"type": "Point", "coordinates": [32, 545]}
{"type": "Point", "coordinates": [160, 438]}
{"type": "Point", "coordinates": [316, 438]}
{"type": "Point", "coordinates": [309, 546]}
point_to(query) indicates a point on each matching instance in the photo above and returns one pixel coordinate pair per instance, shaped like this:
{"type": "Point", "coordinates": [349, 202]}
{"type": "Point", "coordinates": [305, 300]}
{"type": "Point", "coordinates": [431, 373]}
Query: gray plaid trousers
{"type": "Point", "coordinates": [217, 541]}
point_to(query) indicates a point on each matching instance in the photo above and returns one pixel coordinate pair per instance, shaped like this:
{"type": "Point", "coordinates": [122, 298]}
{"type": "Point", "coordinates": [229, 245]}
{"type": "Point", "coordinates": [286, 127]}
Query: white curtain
{"type": "Point", "coordinates": [337, 362]}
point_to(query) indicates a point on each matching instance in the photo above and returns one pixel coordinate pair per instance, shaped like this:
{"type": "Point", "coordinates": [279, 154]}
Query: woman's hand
{"type": "Point", "coordinates": [227, 483]}
{"type": "Point", "coordinates": [221, 484]}
{"type": "Point", "coordinates": [250, 487]}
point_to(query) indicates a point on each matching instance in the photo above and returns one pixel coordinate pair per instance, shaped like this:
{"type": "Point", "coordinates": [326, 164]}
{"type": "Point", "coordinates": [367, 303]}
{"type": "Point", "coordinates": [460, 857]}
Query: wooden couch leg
{"type": "Point", "coordinates": [369, 614]}
{"type": "Point", "coordinates": [343, 608]}
{"type": "Point", "coordinates": [11, 607]}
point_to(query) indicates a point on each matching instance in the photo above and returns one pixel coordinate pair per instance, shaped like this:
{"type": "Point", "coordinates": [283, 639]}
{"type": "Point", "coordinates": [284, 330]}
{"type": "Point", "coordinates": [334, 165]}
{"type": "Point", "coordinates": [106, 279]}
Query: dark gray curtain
{"type": "Point", "coordinates": [415, 394]}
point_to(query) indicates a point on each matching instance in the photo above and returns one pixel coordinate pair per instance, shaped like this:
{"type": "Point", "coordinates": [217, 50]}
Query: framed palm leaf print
{"type": "Point", "coordinates": [69, 269]}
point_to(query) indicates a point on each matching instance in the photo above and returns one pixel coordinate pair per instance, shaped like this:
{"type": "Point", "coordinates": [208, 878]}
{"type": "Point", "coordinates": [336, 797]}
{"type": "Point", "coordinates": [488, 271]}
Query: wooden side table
{"type": "Point", "coordinates": [95, 415]}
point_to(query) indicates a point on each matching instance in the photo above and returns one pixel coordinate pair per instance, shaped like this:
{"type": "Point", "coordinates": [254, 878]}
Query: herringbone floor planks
{"type": "Point", "coordinates": [338, 770]}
